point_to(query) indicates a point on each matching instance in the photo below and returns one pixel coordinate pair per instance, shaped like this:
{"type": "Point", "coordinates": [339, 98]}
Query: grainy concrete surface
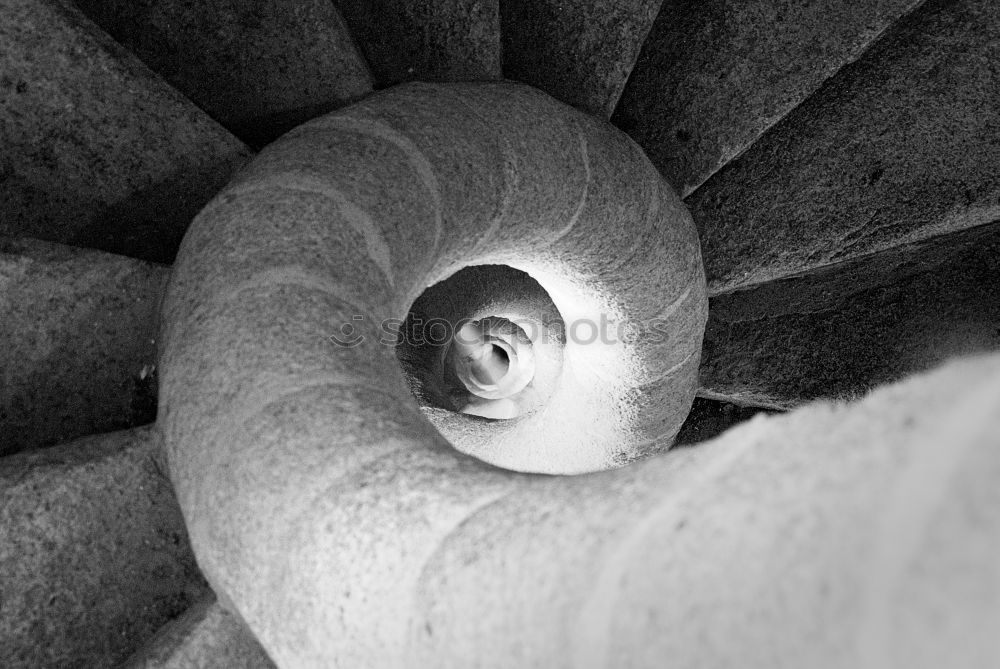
{"type": "Point", "coordinates": [259, 67]}
{"type": "Point", "coordinates": [898, 147]}
{"type": "Point", "coordinates": [714, 74]}
{"type": "Point", "coordinates": [843, 329]}
{"type": "Point", "coordinates": [94, 556]}
{"type": "Point", "coordinates": [206, 636]}
{"type": "Point", "coordinates": [79, 334]}
{"type": "Point", "coordinates": [426, 40]}
{"type": "Point", "coordinates": [97, 150]}
{"type": "Point", "coordinates": [579, 51]}
{"type": "Point", "coordinates": [409, 185]}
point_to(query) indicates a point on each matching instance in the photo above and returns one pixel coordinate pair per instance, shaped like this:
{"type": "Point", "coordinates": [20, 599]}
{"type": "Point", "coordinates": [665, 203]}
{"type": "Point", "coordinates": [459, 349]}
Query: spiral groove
{"type": "Point", "coordinates": [346, 220]}
{"type": "Point", "coordinates": [328, 512]}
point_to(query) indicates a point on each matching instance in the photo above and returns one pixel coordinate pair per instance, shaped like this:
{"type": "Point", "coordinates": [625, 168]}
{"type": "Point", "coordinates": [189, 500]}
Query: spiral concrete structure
{"type": "Point", "coordinates": [331, 515]}
{"type": "Point", "coordinates": [346, 220]}
{"type": "Point", "coordinates": [249, 414]}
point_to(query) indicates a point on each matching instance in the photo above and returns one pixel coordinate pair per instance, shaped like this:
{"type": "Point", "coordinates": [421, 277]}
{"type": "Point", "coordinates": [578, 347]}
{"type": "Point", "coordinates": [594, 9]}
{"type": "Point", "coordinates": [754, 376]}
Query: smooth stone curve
{"type": "Point", "coordinates": [269, 420]}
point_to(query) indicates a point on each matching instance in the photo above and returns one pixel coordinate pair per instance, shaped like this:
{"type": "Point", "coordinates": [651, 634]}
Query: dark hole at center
{"type": "Point", "coordinates": [501, 355]}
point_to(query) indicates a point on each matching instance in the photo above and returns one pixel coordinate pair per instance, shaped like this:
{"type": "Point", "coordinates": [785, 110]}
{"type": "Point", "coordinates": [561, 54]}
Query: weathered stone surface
{"type": "Point", "coordinates": [271, 426]}
{"type": "Point", "coordinates": [97, 150]}
{"type": "Point", "coordinates": [259, 67]}
{"type": "Point", "coordinates": [579, 51]}
{"type": "Point", "coordinates": [900, 146]}
{"type": "Point", "coordinates": [426, 40]}
{"type": "Point", "coordinates": [205, 637]}
{"type": "Point", "coordinates": [78, 329]}
{"type": "Point", "coordinates": [713, 74]}
{"type": "Point", "coordinates": [833, 536]}
{"type": "Point", "coordinates": [94, 556]}
{"type": "Point", "coordinates": [842, 329]}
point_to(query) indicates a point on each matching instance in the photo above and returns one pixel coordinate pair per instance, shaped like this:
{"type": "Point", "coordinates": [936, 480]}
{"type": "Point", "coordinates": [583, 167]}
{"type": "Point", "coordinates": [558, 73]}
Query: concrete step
{"type": "Point", "coordinates": [94, 557]}
{"type": "Point", "coordinates": [97, 150]}
{"type": "Point", "coordinates": [259, 67]}
{"type": "Point", "coordinates": [714, 75]}
{"type": "Point", "coordinates": [843, 329]}
{"type": "Point", "coordinates": [578, 51]}
{"type": "Point", "coordinates": [426, 40]}
{"type": "Point", "coordinates": [205, 637]}
{"type": "Point", "coordinates": [79, 330]}
{"type": "Point", "coordinates": [900, 146]}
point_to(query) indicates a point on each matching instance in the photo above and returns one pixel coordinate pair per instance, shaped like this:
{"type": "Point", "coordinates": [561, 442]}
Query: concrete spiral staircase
{"type": "Point", "coordinates": [841, 161]}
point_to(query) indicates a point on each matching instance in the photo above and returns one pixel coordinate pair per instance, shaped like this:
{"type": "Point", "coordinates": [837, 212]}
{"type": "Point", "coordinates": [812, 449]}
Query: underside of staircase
{"type": "Point", "coordinates": [841, 161]}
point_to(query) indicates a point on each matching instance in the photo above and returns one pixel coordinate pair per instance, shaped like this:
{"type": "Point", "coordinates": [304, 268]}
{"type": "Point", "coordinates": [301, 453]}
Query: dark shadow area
{"type": "Point", "coordinates": [710, 418]}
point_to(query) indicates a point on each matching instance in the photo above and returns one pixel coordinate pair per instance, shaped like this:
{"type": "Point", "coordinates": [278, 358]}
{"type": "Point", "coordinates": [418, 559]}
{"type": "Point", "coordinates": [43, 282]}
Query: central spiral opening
{"type": "Point", "coordinates": [494, 360]}
{"type": "Point", "coordinates": [493, 353]}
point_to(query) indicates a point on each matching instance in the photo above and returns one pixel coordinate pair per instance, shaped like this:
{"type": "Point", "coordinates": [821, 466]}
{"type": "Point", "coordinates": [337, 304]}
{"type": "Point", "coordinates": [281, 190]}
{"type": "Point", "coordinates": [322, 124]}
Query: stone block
{"type": "Point", "coordinates": [426, 40]}
{"type": "Point", "coordinates": [579, 52]}
{"type": "Point", "coordinates": [94, 557]}
{"type": "Point", "coordinates": [97, 150]}
{"type": "Point", "coordinates": [843, 329]}
{"type": "Point", "coordinates": [79, 353]}
{"type": "Point", "coordinates": [259, 67]}
{"type": "Point", "coordinates": [901, 146]}
{"type": "Point", "coordinates": [714, 75]}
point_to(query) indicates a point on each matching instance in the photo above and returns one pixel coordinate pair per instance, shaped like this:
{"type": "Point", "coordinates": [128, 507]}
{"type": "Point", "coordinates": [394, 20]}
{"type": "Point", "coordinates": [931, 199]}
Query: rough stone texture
{"type": "Point", "coordinates": [713, 75]}
{"type": "Point", "coordinates": [345, 531]}
{"type": "Point", "coordinates": [900, 146]}
{"type": "Point", "coordinates": [79, 353]}
{"type": "Point", "coordinates": [840, 330]}
{"type": "Point", "coordinates": [314, 488]}
{"type": "Point", "coordinates": [259, 67]}
{"type": "Point", "coordinates": [579, 51]}
{"type": "Point", "coordinates": [97, 150]}
{"type": "Point", "coordinates": [94, 557]}
{"type": "Point", "coordinates": [836, 536]}
{"type": "Point", "coordinates": [426, 40]}
{"type": "Point", "coordinates": [205, 637]}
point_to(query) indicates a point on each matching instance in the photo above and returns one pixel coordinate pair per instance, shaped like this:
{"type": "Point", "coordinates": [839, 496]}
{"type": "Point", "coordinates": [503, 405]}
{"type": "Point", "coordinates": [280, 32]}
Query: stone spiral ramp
{"type": "Point", "coordinates": [842, 165]}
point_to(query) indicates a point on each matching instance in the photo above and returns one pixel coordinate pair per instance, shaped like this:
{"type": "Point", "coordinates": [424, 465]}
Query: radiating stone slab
{"type": "Point", "coordinates": [94, 557]}
{"type": "Point", "coordinates": [259, 67]}
{"type": "Point", "coordinates": [898, 147]}
{"type": "Point", "coordinates": [79, 353]}
{"type": "Point", "coordinates": [713, 75]}
{"type": "Point", "coordinates": [97, 150]}
{"type": "Point", "coordinates": [840, 330]}
{"type": "Point", "coordinates": [578, 51]}
{"type": "Point", "coordinates": [205, 637]}
{"type": "Point", "coordinates": [426, 40]}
